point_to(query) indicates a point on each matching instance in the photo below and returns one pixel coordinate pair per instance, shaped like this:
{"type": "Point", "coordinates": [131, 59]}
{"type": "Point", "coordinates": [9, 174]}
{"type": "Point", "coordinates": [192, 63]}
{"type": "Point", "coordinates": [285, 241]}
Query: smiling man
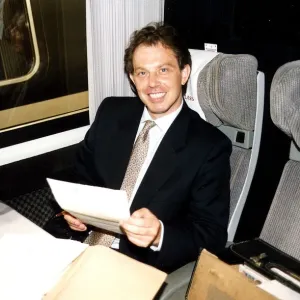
{"type": "Point", "coordinates": [173, 165]}
{"type": "Point", "coordinates": [158, 78]}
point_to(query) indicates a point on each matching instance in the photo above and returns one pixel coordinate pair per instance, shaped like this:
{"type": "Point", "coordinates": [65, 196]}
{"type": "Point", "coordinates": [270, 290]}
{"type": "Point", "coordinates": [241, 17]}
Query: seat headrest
{"type": "Point", "coordinates": [285, 100]}
{"type": "Point", "coordinates": [227, 90]}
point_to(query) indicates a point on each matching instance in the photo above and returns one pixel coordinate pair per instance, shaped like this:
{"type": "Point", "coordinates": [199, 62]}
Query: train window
{"type": "Point", "coordinates": [43, 66]}
{"type": "Point", "coordinates": [18, 57]}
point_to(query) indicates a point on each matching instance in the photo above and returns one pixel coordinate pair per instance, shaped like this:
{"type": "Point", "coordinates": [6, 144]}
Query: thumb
{"type": "Point", "coordinates": [141, 213]}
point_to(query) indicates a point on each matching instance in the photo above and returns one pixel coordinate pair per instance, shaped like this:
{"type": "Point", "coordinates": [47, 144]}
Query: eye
{"type": "Point", "coordinates": [141, 73]}
{"type": "Point", "coordinates": [163, 70]}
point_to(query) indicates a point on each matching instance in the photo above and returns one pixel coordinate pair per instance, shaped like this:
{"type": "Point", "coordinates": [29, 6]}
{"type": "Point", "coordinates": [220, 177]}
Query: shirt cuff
{"type": "Point", "coordinates": [157, 248]}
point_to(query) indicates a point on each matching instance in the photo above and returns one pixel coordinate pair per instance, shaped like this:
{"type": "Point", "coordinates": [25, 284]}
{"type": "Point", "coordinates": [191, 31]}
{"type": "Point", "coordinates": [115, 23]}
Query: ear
{"type": "Point", "coordinates": [185, 74]}
{"type": "Point", "coordinates": [131, 77]}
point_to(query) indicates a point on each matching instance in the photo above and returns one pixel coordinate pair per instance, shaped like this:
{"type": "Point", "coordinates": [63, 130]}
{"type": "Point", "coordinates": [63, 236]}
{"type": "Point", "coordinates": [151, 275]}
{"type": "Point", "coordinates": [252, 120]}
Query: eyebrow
{"type": "Point", "coordinates": [166, 65]}
{"type": "Point", "coordinates": [160, 66]}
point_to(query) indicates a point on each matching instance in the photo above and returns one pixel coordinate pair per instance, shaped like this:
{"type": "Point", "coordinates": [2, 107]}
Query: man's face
{"type": "Point", "coordinates": [158, 79]}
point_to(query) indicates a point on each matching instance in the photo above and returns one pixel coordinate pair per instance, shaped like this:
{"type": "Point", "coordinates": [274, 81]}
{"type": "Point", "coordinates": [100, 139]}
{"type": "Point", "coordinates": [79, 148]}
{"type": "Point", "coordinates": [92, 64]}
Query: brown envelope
{"type": "Point", "coordinates": [102, 273]}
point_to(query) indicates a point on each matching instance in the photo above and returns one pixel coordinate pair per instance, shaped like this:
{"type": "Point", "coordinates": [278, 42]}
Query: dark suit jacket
{"type": "Point", "coordinates": [186, 185]}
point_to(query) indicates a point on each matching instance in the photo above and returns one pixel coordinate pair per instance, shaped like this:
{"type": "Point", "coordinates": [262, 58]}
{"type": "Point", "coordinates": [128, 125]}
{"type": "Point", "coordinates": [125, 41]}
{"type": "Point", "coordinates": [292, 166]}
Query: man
{"type": "Point", "coordinates": [180, 196]}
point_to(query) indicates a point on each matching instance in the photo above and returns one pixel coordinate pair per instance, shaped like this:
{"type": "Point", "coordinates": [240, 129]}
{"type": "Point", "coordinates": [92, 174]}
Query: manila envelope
{"type": "Point", "coordinates": [103, 273]}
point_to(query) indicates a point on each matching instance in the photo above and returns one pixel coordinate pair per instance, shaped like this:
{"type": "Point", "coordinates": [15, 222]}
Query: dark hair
{"type": "Point", "coordinates": [151, 35]}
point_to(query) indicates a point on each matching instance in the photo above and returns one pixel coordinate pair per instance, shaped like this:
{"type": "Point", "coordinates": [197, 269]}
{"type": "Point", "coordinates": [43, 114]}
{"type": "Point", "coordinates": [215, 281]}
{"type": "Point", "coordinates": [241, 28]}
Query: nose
{"type": "Point", "coordinates": [153, 79]}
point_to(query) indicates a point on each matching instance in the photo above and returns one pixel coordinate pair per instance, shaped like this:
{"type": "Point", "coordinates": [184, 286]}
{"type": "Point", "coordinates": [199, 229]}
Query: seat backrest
{"type": "Point", "coordinates": [38, 206]}
{"type": "Point", "coordinates": [282, 225]}
{"type": "Point", "coordinates": [230, 92]}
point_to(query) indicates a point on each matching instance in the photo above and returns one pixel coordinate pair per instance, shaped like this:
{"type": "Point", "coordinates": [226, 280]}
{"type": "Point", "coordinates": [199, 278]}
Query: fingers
{"type": "Point", "coordinates": [139, 226]}
{"type": "Point", "coordinates": [142, 231]}
{"type": "Point", "coordinates": [142, 237]}
{"type": "Point", "coordinates": [140, 241]}
{"type": "Point", "coordinates": [74, 223]}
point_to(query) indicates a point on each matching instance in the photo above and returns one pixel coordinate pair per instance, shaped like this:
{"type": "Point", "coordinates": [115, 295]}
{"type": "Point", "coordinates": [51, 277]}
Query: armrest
{"type": "Point", "coordinates": [177, 283]}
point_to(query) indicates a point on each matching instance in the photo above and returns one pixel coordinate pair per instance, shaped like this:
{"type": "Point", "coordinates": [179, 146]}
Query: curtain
{"type": "Point", "coordinates": [109, 26]}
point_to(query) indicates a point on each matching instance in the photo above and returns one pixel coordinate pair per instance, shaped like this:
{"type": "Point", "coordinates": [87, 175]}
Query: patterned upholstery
{"type": "Point", "coordinates": [227, 93]}
{"type": "Point", "coordinates": [38, 206]}
{"type": "Point", "coordinates": [285, 100]}
{"type": "Point", "coordinates": [227, 90]}
{"type": "Point", "coordinates": [239, 162]}
{"type": "Point", "coordinates": [282, 226]}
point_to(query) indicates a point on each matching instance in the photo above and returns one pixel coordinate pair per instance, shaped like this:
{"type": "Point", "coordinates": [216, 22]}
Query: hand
{"type": "Point", "coordinates": [73, 222]}
{"type": "Point", "coordinates": [142, 228]}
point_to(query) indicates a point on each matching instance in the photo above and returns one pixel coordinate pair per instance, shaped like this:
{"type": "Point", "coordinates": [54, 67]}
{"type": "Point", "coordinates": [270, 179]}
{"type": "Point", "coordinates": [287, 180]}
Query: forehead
{"type": "Point", "coordinates": [150, 54]}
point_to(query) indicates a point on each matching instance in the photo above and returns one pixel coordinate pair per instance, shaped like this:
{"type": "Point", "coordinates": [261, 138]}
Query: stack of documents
{"type": "Point", "coordinates": [101, 207]}
{"type": "Point", "coordinates": [31, 266]}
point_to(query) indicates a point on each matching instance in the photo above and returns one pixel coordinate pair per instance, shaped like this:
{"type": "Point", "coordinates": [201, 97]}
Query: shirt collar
{"type": "Point", "coordinates": [164, 122]}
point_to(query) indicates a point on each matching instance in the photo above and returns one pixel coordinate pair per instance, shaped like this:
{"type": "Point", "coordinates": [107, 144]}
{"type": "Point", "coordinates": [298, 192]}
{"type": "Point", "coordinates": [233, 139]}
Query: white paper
{"type": "Point", "coordinates": [101, 207]}
{"type": "Point", "coordinates": [30, 265]}
{"type": "Point", "coordinates": [286, 276]}
{"type": "Point", "coordinates": [12, 222]}
{"type": "Point", "coordinates": [279, 290]}
{"type": "Point", "coordinates": [252, 274]}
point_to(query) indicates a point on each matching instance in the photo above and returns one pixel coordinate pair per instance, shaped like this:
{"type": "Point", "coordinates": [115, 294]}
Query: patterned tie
{"type": "Point", "coordinates": [137, 158]}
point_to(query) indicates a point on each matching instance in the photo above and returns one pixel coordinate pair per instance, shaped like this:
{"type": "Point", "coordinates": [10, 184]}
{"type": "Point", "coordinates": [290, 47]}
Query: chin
{"type": "Point", "coordinates": [157, 111]}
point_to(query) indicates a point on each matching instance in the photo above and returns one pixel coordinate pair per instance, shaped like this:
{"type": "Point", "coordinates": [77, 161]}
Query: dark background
{"type": "Point", "coordinates": [271, 32]}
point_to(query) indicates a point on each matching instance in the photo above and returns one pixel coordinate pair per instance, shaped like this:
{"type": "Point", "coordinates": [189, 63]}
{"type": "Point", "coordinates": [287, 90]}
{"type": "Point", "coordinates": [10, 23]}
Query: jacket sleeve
{"type": "Point", "coordinates": [85, 171]}
{"type": "Point", "coordinates": [205, 223]}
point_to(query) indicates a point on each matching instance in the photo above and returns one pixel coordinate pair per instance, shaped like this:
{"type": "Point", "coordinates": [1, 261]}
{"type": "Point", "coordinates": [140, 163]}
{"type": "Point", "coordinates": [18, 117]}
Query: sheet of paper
{"type": "Point", "coordinates": [252, 274]}
{"type": "Point", "coordinates": [30, 265]}
{"type": "Point", "coordinates": [279, 290]}
{"type": "Point", "coordinates": [101, 207]}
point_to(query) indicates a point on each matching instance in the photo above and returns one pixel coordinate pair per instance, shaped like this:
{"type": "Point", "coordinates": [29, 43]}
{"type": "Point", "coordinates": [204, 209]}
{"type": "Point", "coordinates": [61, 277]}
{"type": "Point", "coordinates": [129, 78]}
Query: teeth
{"type": "Point", "coordinates": [157, 95]}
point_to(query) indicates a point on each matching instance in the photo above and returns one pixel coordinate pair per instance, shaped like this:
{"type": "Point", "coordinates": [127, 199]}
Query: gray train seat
{"type": "Point", "coordinates": [230, 92]}
{"type": "Point", "coordinates": [282, 225]}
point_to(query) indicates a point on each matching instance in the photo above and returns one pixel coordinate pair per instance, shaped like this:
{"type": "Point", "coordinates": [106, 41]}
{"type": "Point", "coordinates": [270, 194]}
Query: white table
{"type": "Point", "coordinates": [31, 260]}
{"type": "Point", "coordinates": [13, 222]}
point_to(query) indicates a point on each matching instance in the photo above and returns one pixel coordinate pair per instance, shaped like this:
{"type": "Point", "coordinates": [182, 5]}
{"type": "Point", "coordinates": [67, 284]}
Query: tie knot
{"type": "Point", "coordinates": [148, 125]}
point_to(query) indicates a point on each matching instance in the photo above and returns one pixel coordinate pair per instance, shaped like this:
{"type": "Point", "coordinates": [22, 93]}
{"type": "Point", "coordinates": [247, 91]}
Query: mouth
{"type": "Point", "coordinates": [156, 96]}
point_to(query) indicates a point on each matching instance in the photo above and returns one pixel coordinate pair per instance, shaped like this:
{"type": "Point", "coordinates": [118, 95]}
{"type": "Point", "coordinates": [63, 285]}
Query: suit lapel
{"type": "Point", "coordinates": [120, 144]}
{"type": "Point", "coordinates": [164, 161]}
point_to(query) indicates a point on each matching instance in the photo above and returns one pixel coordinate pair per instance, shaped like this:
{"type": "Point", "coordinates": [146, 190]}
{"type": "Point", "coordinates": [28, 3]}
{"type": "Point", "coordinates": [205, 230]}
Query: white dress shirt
{"type": "Point", "coordinates": [156, 135]}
